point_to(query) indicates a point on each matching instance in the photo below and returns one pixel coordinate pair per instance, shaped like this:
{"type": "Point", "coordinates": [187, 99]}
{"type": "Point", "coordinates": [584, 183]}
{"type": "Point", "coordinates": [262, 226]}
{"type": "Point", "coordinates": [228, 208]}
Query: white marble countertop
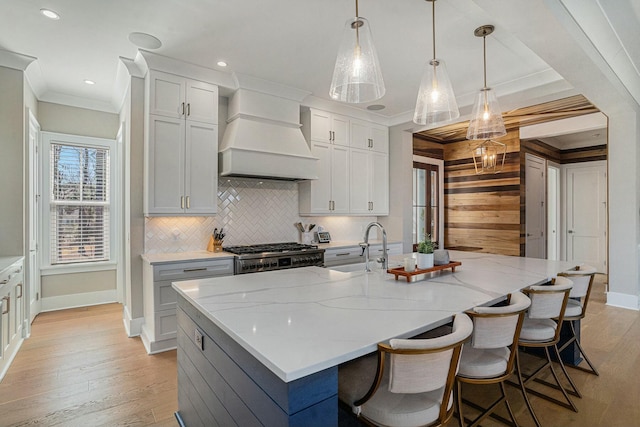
{"type": "Point", "coordinates": [301, 321]}
{"type": "Point", "coordinates": [7, 261]}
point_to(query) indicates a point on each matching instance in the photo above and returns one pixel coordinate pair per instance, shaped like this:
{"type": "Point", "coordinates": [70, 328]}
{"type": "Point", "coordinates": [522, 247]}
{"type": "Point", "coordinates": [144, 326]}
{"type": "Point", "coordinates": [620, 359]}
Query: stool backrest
{"type": "Point", "coordinates": [497, 327]}
{"type": "Point", "coordinates": [422, 365]}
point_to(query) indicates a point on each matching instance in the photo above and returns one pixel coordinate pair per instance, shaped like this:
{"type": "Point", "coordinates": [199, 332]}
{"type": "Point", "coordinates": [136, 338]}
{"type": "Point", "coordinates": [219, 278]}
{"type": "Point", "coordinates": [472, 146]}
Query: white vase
{"type": "Point", "coordinates": [425, 261]}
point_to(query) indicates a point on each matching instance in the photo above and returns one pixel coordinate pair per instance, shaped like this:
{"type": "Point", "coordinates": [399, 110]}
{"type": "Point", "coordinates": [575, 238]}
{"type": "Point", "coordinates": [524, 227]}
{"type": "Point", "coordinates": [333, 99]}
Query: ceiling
{"type": "Point", "coordinates": [290, 42]}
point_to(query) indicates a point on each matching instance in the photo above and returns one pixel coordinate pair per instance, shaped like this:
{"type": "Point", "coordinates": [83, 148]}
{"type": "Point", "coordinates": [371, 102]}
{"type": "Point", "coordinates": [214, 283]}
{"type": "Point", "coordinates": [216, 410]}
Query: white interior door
{"type": "Point", "coordinates": [586, 218]}
{"type": "Point", "coordinates": [32, 270]}
{"type": "Point", "coordinates": [535, 210]}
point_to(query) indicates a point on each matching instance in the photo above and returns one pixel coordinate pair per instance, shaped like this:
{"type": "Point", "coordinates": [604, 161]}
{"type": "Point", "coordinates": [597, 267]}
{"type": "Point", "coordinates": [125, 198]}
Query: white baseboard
{"type": "Point", "coordinates": [154, 347]}
{"type": "Point", "coordinates": [78, 300]}
{"type": "Point", "coordinates": [616, 299]}
{"type": "Point", "coordinates": [132, 326]}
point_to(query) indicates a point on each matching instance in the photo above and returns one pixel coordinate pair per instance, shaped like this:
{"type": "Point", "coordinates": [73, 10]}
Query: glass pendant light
{"type": "Point", "coordinates": [357, 77]}
{"type": "Point", "coordinates": [436, 101]}
{"type": "Point", "coordinates": [486, 120]}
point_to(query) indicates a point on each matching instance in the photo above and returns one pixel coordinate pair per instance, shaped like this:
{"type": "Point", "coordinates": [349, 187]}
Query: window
{"type": "Point", "coordinates": [79, 210]}
{"type": "Point", "coordinates": [426, 194]}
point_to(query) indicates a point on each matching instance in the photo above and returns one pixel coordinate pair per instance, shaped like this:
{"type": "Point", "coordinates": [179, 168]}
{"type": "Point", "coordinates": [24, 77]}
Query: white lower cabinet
{"type": "Point", "coordinates": [12, 319]}
{"type": "Point", "coordinates": [353, 254]}
{"type": "Point", "coordinates": [160, 326]}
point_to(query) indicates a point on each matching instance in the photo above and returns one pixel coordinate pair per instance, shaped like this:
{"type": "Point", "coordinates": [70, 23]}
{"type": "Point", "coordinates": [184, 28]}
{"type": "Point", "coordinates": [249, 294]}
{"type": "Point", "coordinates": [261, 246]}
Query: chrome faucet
{"type": "Point", "coordinates": [365, 247]}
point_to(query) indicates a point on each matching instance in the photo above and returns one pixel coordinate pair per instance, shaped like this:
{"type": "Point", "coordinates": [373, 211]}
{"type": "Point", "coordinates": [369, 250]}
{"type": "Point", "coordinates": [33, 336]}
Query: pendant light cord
{"type": "Point", "coordinates": [484, 57]}
{"type": "Point", "coordinates": [433, 26]}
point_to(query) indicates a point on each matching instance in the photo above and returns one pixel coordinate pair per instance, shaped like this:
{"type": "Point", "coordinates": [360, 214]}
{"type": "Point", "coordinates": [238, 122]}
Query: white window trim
{"type": "Point", "coordinates": [47, 268]}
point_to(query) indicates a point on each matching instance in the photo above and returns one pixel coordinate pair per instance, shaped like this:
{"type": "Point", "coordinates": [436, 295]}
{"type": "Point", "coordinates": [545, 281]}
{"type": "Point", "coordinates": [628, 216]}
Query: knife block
{"type": "Point", "coordinates": [214, 245]}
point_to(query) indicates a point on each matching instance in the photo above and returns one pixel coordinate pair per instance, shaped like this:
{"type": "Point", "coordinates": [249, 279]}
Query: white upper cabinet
{"type": "Point", "coordinates": [353, 177]}
{"type": "Point", "coordinates": [329, 128]}
{"type": "Point", "coordinates": [178, 97]}
{"type": "Point", "coordinates": [181, 146]}
{"type": "Point", "coordinates": [369, 136]}
{"type": "Point", "coordinates": [369, 182]}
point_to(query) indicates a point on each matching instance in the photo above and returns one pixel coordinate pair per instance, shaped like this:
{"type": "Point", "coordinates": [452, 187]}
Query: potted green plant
{"type": "Point", "coordinates": [425, 253]}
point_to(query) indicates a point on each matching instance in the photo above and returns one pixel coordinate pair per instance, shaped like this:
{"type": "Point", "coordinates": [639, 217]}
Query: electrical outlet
{"type": "Point", "coordinates": [199, 339]}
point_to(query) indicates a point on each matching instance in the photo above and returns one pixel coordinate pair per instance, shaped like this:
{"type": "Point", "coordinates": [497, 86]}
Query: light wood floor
{"type": "Point", "coordinates": [79, 369]}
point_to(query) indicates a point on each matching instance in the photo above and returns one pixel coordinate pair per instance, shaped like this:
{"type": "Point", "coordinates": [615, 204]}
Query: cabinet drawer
{"type": "Point", "coordinates": [350, 255]}
{"type": "Point", "coordinates": [193, 270]}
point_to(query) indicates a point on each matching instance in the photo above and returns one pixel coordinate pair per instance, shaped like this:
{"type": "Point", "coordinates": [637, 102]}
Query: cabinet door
{"type": "Point", "coordinates": [201, 180]}
{"type": "Point", "coordinates": [166, 94]}
{"type": "Point", "coordinates": [17, 299]}
{"type": "Point", "coordinates": [320, 126]}
{"type": "Point", "coordinates": [340, 179]}
{"type": "Point", "coordinates": [379, 183]}
{"type": "Point", "coordinates": [359, 182]}
{"type": "Point", "coordinates": [321, 187]}
{"type": "Point", "coordinates": [202, 102]}
{"type": "Point", "coordinates": [360, 135]}
{"type": "Point", "coordinates": [5, 319]}
{"type": "Point", "coordinates": [380, 139]}
{"type": "Point", "coordinates": [340, 128]}
{"type": "Point", "coordinates": [166, 166]}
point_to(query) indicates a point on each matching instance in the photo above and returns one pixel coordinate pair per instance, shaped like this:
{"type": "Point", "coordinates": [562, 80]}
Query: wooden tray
{"type": "Point", "coordinates": [409, 274]}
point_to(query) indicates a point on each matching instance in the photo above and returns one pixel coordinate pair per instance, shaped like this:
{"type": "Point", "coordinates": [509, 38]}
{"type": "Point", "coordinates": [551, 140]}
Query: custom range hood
{"type": "Point", "coordinates": [263, 139]}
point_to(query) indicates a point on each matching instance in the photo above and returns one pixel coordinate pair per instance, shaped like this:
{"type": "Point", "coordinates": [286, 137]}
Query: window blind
{"type": "Point", "coordinates": [80, 204]}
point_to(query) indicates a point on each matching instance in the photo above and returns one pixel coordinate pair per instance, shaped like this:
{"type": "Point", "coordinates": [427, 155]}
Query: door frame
{"type": "Point", "coordinates": [554, 211]}
{"type": "Point", "coordinates": [440, 164]}
{"type": "Point", "coordinates": [33, 229]}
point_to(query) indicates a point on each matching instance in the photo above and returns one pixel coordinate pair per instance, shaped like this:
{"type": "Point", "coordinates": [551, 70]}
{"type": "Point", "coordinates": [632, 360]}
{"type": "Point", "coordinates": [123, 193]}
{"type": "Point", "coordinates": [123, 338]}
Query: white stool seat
{"type": "Point", "coordinates": [574, 309]}
{"type": "Point", "coordinates": [483, 363]}
{"type": "Point", "coordinates": [537, 330]}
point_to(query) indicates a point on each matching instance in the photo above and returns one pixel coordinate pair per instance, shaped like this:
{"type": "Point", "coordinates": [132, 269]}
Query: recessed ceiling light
{"type": "Point", "coordinates": [376, 107]}
{"type": "Point", "coordinates": [49, 14]}
{"type": "Point", "coordinates": [89, 82]}
{"type": "Point", "coordinates": [222, 64]}
{"type": "Point", "coordinates": [145, 41]}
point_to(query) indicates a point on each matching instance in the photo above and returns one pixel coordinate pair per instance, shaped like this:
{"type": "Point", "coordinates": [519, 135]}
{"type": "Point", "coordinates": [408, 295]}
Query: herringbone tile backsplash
{"type": "Point", "coordinates": [250, 211]}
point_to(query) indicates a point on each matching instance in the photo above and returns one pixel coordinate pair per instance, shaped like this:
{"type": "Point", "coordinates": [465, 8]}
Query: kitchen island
{"type": "Point", "coordinates": [264, 349]}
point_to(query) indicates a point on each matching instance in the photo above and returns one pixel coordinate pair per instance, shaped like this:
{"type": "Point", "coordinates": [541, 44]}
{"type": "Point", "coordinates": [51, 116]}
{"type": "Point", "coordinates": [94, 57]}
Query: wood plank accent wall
{"type": "Point", "coordinates": [486, 213]}
{"type": "Point", "coordinates": [483, 212]}
{"type": "Point", "coordinates": [574, 155]}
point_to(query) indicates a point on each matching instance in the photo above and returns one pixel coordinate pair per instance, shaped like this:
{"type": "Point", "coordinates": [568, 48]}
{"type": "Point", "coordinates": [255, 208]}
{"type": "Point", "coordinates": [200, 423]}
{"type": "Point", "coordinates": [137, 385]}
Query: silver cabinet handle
{"type": "Point", "coordinates": [181, 202]}
{"type": "Point", "coordinates": [190, 270]}
{"type": "Point", "coordinates": [19, 296]}
{"type": "Point", "coordinates": [188, 109]}
{"type": "Point", "coordinates": [343, 254]}
{"type": "Point", "coordinates": [188, 202]}
{"type": "Point", "coordinates": [570, 231]}
{"type": "Point", "coordinates": [4, 282]}
{"type": "Point", "coordinates": [8, 300]}
{"type": "Point", "coordinates": [182, 114]}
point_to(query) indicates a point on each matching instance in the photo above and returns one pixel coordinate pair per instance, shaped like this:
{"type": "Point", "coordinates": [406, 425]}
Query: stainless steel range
{"type": "Point", "coordinates": [275, 256]}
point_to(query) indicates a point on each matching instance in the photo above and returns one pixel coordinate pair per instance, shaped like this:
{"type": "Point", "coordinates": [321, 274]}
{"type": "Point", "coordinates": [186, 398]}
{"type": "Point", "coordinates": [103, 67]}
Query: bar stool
{"type": "Point", "coordinates": [489, 357]}
{"type": "Point", "coordinates": [416, 389]}
{"type": "Point", "coordinates": [582, 277]}
{"type": "Point", "coordinates": [541, 329]}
